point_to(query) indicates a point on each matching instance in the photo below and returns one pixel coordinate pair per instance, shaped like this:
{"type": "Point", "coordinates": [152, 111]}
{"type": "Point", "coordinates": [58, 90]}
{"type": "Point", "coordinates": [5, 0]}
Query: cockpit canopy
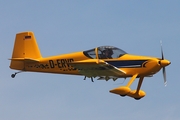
{"type": "Point", "coordinates": [104, 52]}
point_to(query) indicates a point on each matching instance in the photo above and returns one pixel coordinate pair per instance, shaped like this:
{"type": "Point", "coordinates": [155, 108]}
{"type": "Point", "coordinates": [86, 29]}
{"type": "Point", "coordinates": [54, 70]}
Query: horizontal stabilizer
{"type": "Point", "coordinates": [24, 59]}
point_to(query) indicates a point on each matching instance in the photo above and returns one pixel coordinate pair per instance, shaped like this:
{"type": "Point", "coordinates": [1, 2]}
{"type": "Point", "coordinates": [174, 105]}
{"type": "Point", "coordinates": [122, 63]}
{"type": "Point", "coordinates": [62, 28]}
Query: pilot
{"type": "Point", "coordinates": [107, 54]}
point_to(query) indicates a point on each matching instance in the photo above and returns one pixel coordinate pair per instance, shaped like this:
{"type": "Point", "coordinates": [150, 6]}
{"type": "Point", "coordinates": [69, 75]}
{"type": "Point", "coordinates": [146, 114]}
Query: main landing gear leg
{"type": "Point", "coordinates": [138, 91]}
{"type": "Point", "coordinates": [139, 84]}
{"type": "Point", "coordinates": [132, 80]}
{"type": "Point", "coordinates": [14, 75]}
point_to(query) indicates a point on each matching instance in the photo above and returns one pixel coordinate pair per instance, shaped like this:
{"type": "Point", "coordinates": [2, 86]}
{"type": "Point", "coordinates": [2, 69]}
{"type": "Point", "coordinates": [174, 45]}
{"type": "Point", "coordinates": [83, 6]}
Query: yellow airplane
{"type": "Point", "coordinates": [103, 63]}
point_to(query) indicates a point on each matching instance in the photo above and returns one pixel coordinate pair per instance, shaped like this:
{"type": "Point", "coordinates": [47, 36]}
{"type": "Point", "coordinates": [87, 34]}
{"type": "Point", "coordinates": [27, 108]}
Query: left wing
{"type": "Point", "coordinates": [96, 67]}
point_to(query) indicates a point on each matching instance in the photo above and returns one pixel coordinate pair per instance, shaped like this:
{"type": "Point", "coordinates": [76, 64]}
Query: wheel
{"type": "Point", "coordinates": [13, 75]}
{"type": "Point", "coordinates": [123, 95]}
{"type": "Point", "coordinates": [137, 98]}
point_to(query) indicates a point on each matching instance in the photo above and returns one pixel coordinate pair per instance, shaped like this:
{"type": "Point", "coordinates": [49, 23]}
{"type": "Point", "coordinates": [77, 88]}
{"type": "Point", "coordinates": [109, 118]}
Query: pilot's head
{"type": "Point", "coordinates": [108, 52]}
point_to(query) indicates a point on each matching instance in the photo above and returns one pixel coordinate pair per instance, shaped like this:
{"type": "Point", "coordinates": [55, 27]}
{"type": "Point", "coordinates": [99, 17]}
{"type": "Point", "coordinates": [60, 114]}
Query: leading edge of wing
{"type": "Point", "coordinates": [96, 67]}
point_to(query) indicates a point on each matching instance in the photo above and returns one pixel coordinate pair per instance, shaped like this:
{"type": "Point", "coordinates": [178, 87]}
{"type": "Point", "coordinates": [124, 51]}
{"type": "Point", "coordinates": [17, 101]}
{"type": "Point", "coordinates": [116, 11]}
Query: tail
{"type": "Point", "coordinates": [25, 50]}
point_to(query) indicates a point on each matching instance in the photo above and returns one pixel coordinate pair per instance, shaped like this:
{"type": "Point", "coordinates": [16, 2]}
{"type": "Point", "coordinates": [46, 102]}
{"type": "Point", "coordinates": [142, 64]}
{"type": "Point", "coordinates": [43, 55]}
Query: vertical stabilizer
{"type": "Point", "coordinates": [25, 47]}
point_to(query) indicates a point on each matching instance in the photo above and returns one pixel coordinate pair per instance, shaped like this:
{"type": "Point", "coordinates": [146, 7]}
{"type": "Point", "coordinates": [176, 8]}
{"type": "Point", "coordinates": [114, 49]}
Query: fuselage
{"type": "Point", "coordinates": [131, 64]}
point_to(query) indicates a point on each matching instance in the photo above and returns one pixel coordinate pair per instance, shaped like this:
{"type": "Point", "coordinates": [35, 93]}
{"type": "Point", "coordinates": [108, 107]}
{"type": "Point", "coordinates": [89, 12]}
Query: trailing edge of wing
{"type": "Point", "coordinates": [92, 68]}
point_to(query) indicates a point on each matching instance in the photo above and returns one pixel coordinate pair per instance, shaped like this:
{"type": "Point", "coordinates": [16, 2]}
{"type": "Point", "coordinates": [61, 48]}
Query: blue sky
{"type": "Point", "coordinates": [68, 26]}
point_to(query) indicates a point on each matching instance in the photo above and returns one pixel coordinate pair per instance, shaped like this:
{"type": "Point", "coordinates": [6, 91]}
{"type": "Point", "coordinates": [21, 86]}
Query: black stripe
{"type": "Point", "coordinates": [27, 37]}
{"type": "Point", "coordinates": [127, 63]}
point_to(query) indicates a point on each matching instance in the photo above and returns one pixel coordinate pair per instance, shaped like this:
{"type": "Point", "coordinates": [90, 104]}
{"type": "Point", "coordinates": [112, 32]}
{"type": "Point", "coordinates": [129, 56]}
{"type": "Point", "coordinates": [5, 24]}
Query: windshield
{"type": "Point", "coordinates": [105, 52]}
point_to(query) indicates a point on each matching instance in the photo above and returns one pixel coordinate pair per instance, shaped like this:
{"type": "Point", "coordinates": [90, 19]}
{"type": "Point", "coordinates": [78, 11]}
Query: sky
{"type": "Point", "coordinates": [68, 26]}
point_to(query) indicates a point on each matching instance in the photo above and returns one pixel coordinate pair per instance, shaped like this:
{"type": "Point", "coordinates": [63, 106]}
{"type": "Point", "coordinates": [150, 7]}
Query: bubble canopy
{"type": "Point", "coordinates": [104, 52]}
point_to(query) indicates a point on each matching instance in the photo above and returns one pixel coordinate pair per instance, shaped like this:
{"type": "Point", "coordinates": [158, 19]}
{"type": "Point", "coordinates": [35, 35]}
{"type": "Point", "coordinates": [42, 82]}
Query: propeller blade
{"type": "Point", "coordinates": [164, 69]}
{"type": "Point", "coordinates": [162, 51]}
{"type": "Point", "coordinates": [164, 76]}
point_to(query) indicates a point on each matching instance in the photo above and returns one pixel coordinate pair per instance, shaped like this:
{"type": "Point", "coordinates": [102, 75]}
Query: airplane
{"type": "Point", "coordinates": [103, 63]}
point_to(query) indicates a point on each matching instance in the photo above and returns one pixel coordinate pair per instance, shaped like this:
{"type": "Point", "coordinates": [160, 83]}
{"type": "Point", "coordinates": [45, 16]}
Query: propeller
{"type": "Point", "coordinates": [164, 69]}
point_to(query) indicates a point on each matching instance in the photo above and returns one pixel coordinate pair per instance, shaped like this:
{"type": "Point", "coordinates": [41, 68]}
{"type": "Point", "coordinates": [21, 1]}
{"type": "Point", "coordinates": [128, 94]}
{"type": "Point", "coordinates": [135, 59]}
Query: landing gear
{"type": "Point", "coordinates": [14, 75]}
{"type": "Point", "coordinates": [126, 91]}
{"type": "Point", "coordinates": [137, 98]}
{"type": "Point", "coordinates": [123, 95]}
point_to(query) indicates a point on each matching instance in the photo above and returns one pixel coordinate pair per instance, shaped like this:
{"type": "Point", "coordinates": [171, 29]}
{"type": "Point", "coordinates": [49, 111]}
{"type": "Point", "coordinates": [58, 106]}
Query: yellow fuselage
{"type": "Point", "coordinates": [59, 64]}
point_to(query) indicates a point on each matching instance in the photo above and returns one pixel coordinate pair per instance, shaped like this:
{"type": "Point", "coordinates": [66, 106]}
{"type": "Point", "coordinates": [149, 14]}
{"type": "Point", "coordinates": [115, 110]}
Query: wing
{"type": "Point", "coordinates": [95, 67]}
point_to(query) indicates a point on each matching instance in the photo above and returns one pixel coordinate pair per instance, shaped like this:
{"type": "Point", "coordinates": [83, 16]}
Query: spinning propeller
{"type": "Point", "coordinates": [163, 62]}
